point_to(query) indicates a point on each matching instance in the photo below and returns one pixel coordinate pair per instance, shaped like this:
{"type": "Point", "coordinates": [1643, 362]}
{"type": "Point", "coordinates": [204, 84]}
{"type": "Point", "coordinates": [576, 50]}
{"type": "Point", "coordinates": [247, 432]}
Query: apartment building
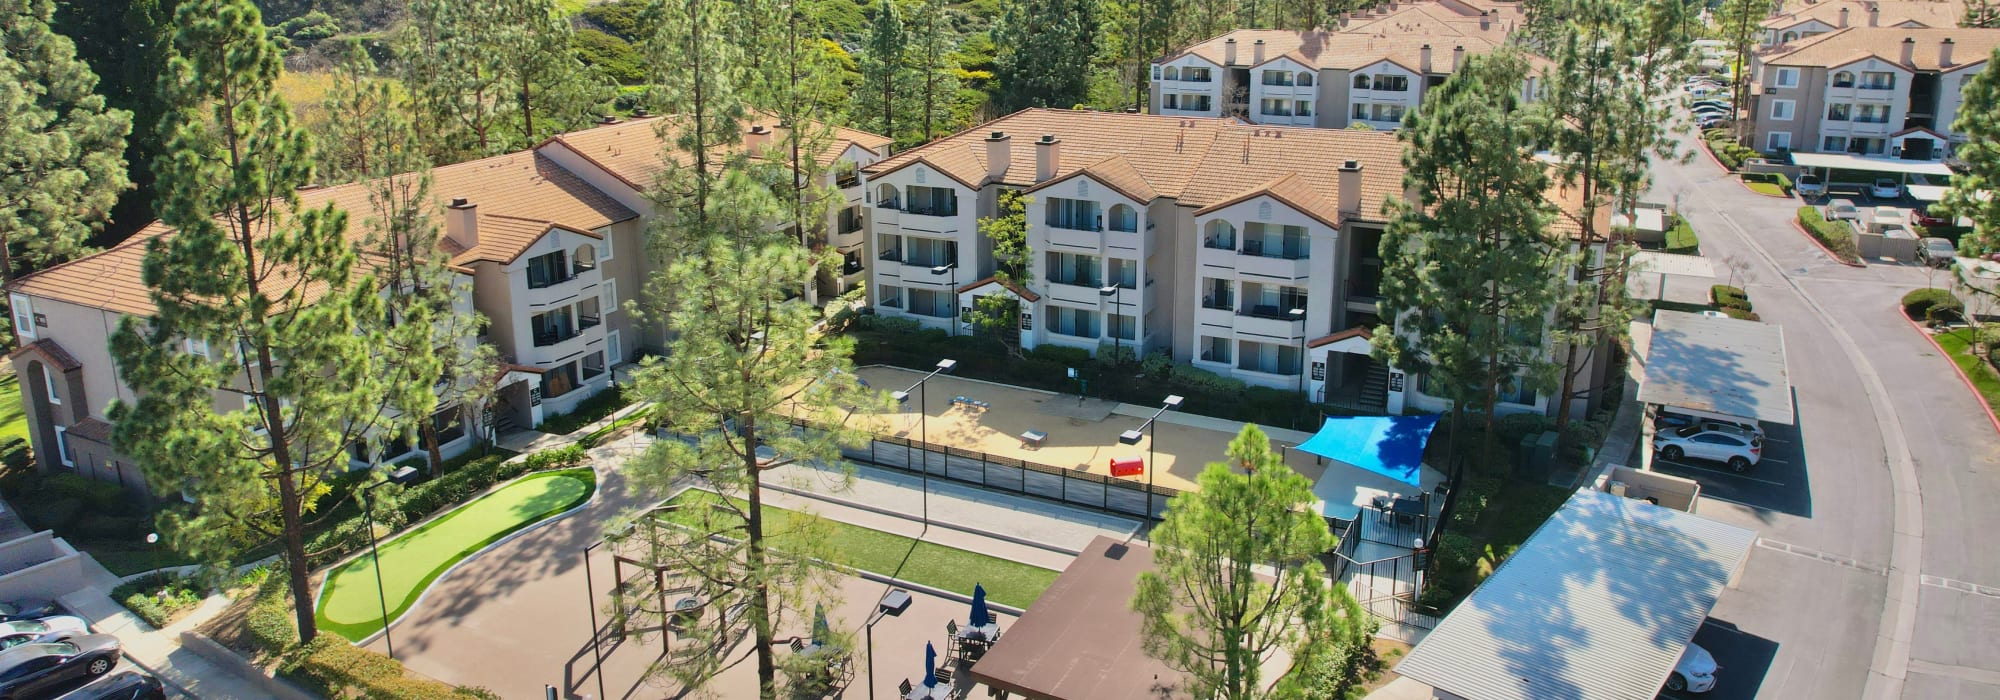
{"type": "Point", "coordinates": [546, 243]}
{"type": "Point", "coordinates": [1871, 91]}
{"type": "Point", "coordinates": [1369, 69]}
{"type": "Point", "coordinates": [1250, 251]}
{"type": "Point", "coordinates": [1801, 20]}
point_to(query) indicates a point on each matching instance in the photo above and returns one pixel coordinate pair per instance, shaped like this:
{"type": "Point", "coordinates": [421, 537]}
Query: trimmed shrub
{"type": "Point", "coordinates": [1057, 354]}
{"type": "Point", "coordinates": [1933, 305]}
{"type": "Point", "coordinates": [1737, 313]}
{"type": "Point", "coordinates": [1779, 179]}
{"type": "Point", "coordinates": [587, 411]}
{"type": "Point", "coordinates": [334, 668]}
{"type": "Point", "coordinates": [1729, 297]}
{"type": "Point", "coordinates": [1837, 236]}
{"type": "Point", "coordinates": [269, 619]}
{"type": "Point", "coordinates": [159, 599]}
{"type": "Point", "coordinates": [14, 453]}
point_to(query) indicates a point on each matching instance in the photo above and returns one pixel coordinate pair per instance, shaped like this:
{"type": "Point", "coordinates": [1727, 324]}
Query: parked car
{"type": "Point", "coordinates": [128, 684]}
{"type": "Point", "coordinates": [1673, 417]}
{"type": "Point", "coordinates": [48, 629]}
{"type": "Point", "coordinates": [1695, 673]}
{"type": "Point", "coordinates": [33, 670]}
{"type": "Point", "coordinates": [1926, 220]}
{"type": "Point", "coordinates": [1711, 121]}
{"type": "Point", "coordinates": [1735, 447]}
{"type": "Point", "coordinates": [1886, 188]}
{"type": "Point", "coordinates": [1809, 186]}
{"type": "Point", "coordinates": [1842, 209]}
{"type": "Point", "coordinates": [1719, 104]}
{"type": "Point", "coordinates": [1711, 112]}
{"type": "Point", "coordinates": [1937, 252]}
{"type": "Point", "coordinates": [27, 609]}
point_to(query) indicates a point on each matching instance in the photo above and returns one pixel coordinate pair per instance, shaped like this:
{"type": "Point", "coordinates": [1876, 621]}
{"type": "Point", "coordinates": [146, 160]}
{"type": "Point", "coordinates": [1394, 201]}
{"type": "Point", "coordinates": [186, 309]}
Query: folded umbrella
{"type": "Point", "coordinates": [930, 665]}
{"type": "Point", "coordinates": [980, 616]}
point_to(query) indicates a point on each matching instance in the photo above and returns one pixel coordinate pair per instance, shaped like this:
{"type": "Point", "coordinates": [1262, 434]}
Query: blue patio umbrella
{"type": "Point", "coordinates": [980, 617]}
{"type": "Point", "coordinates": [930, 665]}
{"type": "Point", "coordinates": [820, 631]}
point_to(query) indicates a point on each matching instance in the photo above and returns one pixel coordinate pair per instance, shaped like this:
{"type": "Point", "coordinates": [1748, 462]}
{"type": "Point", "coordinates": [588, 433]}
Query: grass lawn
{"type": "Point", "coordinates": [937, 566]}
{"type": "Point", "coordinates": [13, 423]}
{"type": "Point", "coordinates": [349, 606]}
{"type": "Point", "coordinates": [1958, 342]}
{"type": "Point", "coordinates": [1681, 239]}
{"type": "Point", "coordinates": [1766, 188]}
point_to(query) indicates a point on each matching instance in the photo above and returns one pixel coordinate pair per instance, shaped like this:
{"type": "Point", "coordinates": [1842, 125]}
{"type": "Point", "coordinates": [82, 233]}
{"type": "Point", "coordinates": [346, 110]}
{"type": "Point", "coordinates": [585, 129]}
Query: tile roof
{"type": "Point", "coordinates": [1291, 189]}
{"type": "Point", "coordinates": [523, 185]}
{"type": "Point", "coordinates": [50, 351]}
{"type": "Point", "coordinates": [1361, 332]}
{"type": "Point", "coordinates": [90, 429]}
{"type": "Point", "coordinates": [1197, 161]}
{"type": "Point", "coordinates": [1018, 290]}
{"type": "Point", "coordinates": [1929, 13]}
{"type": "Point", "coordinates": [503, 238]}
{"type": "Point", "coordinates": [1353, 48]}
{"type": "Point", "coordinates": [630, 150]}
{"type": "Point", "coordinates": [1116, 173]}
{"type": "Point", "coordinates": [1843, 46]}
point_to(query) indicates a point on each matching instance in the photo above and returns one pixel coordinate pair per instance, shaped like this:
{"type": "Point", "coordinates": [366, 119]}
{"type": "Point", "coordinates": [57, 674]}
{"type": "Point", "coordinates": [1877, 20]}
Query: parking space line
{"type": "Point", "coordinates": [1816, 555]}
{"type": "Point", "coordinates": [1684, 465]}
{"type": "Point", "coordinates": [1960, 586]}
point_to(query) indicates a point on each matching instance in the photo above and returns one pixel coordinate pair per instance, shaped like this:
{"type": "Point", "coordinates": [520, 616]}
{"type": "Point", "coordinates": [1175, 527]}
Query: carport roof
{"type": "Point", "coordinates": [1881, 165]}
{"type": "Point", "coordinates": [1720, 365]}
{"type": "Point", "coordinates": [1598, 604]}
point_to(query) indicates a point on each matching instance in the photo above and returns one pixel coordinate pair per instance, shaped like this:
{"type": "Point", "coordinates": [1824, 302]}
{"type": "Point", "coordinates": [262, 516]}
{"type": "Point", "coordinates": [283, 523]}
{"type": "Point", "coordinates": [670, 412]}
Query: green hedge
{"type": "Point", "coordinates": [1837, 236]}
{"type": "Point", "coordinates": [1729, 297]}
{"type": "Point", "coordinates": [269, 620]}
{"type": "Point", "coordinates": [331, 667]}
{"type": "Point", "coordinates": [1779, 179]}
{"type": "Point", "coordinates": [159, 599]}
{"type": "Point", "coordinates": [1933, 305]}
{"type": "Point", "coordinates": [587, 411]}
{"type": "Point", "coordinates": [1726, 149]}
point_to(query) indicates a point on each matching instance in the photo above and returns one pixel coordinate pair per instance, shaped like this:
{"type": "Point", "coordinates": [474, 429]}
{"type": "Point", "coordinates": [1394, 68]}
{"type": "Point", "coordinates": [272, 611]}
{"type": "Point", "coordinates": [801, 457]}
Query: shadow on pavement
{"type": "Point", "coordinates": [1743, 660]}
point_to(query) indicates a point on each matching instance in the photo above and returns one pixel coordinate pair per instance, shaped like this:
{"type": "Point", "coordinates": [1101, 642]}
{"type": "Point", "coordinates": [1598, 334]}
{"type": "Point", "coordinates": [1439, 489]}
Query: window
{"type": "Point", "coordinates": [1878, 80]}
{"type": "Point", "coordinates": [1873, 114]}
{"type": "Point", "coordinates": [1305, 79]}
{"type": "Point", "coordinates": [1122, 327]}
{"type": "Point", "coordinates": [198, 348]}
{"type": "Point", "coordinates": [1073, 214]}
{"type": "Point", "coordinates": [24, 316]}
{"type": "Point", "coordinates": [606, 255]}
{"type": "Point", "coordinates": [933, 201]}
{"type": "Point", "coordinates": [609, 301]}
{"type": "Point", "coordinates": [1272, 300]}
{"type": "Point", "coordinates": [1781, 110]}
{"type": "Point", "coordinates": [593, 365]}
{"type": "Point", "coordinates": [1220, 235]}
{"type": "Point", "coordinates": [888, 197]}
{"type": "Point", "coordinates": [1275, 107]}
{"type": "Point", "coordinates": [1076, 323]}
{"type": "Point", "coordinates": [557, 381]}
{"type": "Point", "coordinates": [1787, 78]}
{"type": "Point", "coordinates": [585, 259]}
{"type": "Point", "coordinates": [1838, 111]}
{"type": "Point", "coordinates": [890, 297]}
{"type": "Point", "coordinates": [1195, 75]}
{"type": "Point", "coordinates": [930, 252]}
{"type": "Point", "coordinates": [1519, 393]}
{"type": "Point", "coordinates": [62, 446]}
{"type": "Point", "coordinates": [1361, 81]}
{"type": "Point", "coordinates": [891, 247]}
{"type": "Point", "coordinates": [1778, 141]}
{"type": "Point", "coordinates": [546, 270]}
{"type": "Point", "coordinates": [1268, 358]}
{"type": "Point", "coordinates": [1392, 83]}
{"type": "Point", "coordinates": [1789, 36]}
{"type": "Point", "coordinates": [1368, 111]}
{"type": "Point", "coordinates": [849, 220]}
{"type": "Point", "coordinates": [1197, 103]}
{"type": "Point", "coordinates": [930, 302]}
{"type": "Point", "coordinates": [1172, 73]}
{"type": "Point", "coordinates": [1833, 144]}
{"type": "Point", "coordinates": [1124, 218]}
{"type": "Point", "coordinates": [1218, 294]}
{"type": "Point", "coordinates": [1170, 101]}
{"type": "Point", "coordinates": [1274, 241]}
{"type": "Point", "coordinates": [1125, 273]}
{"type": "Point", "coordinates": [850, 262]}
{"type": "Point", "coordinates": [1303, 108]}
{"type": "Point", "coordinates": [449, 424]}
{"type": "Point", "coordinates": [49, 383]}
{"type": "Point", "coordinates": [1073, 269]}
{"type": "Point", "coordinates": [1278, 77]}
{"type": "Point", "coordinates": [552, 327]}
{"type": "Point", "coordinates": [614, 349]}
{"type": "Point", "coordinates": [848, 174]}
{"type": "Point", "coordinates": [1843, 79]}
{"type": "Point", "coordinates": [1866, 146]}
{"type": "Point", "coordinates": [1215, 349]}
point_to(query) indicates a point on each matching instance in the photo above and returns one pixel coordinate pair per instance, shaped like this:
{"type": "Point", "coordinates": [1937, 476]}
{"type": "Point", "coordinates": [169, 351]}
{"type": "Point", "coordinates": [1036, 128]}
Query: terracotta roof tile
{"type": "Point", "coordinates": [90, 429]}
{"type": "Point", "coordinates": [50, 351]}
{"type": "Point", "coordinates": [1928, 13]}
{"type": "Point", "coordinates": [1840, 47]}
{"type": "Point", "coordinates": [1018, 290]}
{"type": "Point", "coordinates": [1116, 173]}
{"type": "Point", "coordinates": [1291, 189]}
{"type": "Point", "coordinates": [1361, 332]}
{"type": "Point", "coordinates": [631, 149]}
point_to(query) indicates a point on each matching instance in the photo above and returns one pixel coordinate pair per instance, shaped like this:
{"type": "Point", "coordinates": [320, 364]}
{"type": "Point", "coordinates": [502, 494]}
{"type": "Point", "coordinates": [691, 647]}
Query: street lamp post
{"type": "Point", "coordinates": [1299, 315]}
{"type": "Point", "coordinates": [1131, 437]}
{"type": "Point", "coordinates": [922, 387]}
{"type": "Point", "coordinates": [951, 267]}
{"type": "Point", "coordinates": [1117, 296]}
{"type": "Point", "coordinates": [402, 475]}
{"type": "Point", "coordinates": [893, 603]}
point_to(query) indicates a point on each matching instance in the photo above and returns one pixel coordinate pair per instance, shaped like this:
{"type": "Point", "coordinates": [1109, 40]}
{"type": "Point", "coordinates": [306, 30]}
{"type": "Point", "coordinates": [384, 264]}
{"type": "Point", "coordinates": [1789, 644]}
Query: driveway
{"type": "Point", "coordinates": [1886, 509]}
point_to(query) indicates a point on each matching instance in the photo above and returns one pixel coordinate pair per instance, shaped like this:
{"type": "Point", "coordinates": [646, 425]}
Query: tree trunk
{"type": "Point", "coordinates": [7, 277]}
{"type": "Point", "coordinates": [527, 110]}
{"type": "Point", "coordinates": [297, 568]}
{"type": "Point", "coordinates": [428, 433]}
{"type": "Point", "coordinates": [760, 587]}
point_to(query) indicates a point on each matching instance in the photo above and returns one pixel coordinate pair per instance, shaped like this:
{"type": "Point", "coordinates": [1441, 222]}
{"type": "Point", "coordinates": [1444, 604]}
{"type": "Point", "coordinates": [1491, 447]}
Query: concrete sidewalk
{"type": "Point", "coordinates": [186, 673]}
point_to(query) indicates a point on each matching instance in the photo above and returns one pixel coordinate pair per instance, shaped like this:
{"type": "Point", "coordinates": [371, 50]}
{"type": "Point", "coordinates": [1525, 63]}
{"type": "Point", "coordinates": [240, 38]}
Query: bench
{"type": "Point", "coordinates": [1034, 438]}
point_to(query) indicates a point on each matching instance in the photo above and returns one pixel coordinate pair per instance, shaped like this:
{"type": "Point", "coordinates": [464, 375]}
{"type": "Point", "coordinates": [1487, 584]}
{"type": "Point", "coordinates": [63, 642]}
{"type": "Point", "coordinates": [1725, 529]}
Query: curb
{"type": "Point", "coordinates": [934, 521]}
{"type": "Point", "coordinates": [1699, 138]}
{"type": "Point", "coordinates": [1746, 186]}
{"type": "Point", "coordinates": [200, 645]}
{"type": "Point", "coordinates": [1962, 376]}
{"type": "Point", "coordinates": [1801, 228]}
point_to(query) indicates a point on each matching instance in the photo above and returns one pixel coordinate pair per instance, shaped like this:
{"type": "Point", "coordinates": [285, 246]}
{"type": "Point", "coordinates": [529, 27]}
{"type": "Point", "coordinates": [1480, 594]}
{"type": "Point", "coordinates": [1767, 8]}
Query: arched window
{"type": "Point", "coordinates": [1305, 79]}
{"type": "Point", "coordinates": [1788, 37]}
{"type": "Point", "coordinates": [1124, 218]}
{"type": "Point", "coordinates": [584, 258]}
{"type": "Point", "coordinates": [1843, 79]}
{"type": "Point", "coordinates": [1361, 81]}
{"type": "Point", "coordinates": [1219, 234]}
{"type": "Point", "coordinates": [888, 197]}
{"type": "Point", "coordinates": [1173, 73]}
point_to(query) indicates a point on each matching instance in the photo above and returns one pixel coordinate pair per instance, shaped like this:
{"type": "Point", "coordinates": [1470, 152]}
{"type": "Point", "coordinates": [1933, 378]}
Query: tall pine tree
{"type": "Point", "coordinates": [931, 59]}
{"type": "Point", "coordinates": [1046, 48]}
{"type": "Point", "coordinates": [124, 43]}
{"type": "Point", "coordinates": [1972, 190]}
{"type": "Point", "coordinates": [883, 104]}
{"type": "Point", "coordinates": [1469, 271]}
{"type": "Point", "coordinates": [260, 364]}
{"type": "Point", "coordinates": [62, 151]}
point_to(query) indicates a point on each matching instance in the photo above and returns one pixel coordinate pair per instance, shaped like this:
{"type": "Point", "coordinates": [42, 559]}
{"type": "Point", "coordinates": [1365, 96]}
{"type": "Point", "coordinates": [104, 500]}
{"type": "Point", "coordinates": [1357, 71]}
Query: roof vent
{"type": "Point", "coordinates": [608, 119]}
{"type": "Point", "coordinates": [638, 111]}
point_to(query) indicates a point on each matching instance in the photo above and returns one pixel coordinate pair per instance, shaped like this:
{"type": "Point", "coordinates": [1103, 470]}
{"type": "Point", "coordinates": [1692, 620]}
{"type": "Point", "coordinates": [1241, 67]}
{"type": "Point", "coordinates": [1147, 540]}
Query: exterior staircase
{"type": "Point", "coordinates": [1375, 387]}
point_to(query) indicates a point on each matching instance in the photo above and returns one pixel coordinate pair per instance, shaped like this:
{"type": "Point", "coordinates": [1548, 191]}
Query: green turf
{"type": "Point", "coordinates": [1766, 188]}
{"type": "Point", "coordinates": [1681, 239]}
{"type": "Point", "coordinates": [349, 606]}
{"type": "Point", "coordinates": [13, 423]}
{"type": "Point", "coordinates": [1959, 344]}
{"type": "Point", "coordinates": [934, 565]}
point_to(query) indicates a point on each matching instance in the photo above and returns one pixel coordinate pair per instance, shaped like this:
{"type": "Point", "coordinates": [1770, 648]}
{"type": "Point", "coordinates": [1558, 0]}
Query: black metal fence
{"type": "Point", "coordinates": [1069, 486]}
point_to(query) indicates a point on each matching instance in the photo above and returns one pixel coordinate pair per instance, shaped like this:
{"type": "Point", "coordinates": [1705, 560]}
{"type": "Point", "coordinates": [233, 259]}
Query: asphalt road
{"type": "Point", "coordinates": [1886, 503]}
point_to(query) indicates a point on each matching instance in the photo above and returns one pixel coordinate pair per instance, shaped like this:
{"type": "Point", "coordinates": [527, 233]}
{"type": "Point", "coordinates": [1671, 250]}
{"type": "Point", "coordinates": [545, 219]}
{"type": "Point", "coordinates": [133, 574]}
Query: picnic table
{"type": "Point", "coordinates": [941, 691]}
{"type": "Point", "coordinates": [1034, 438]}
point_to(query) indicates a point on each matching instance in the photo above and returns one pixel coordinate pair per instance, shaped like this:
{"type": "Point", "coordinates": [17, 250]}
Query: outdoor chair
{"type": "Point", "coordinates": [944, 673]}
{"type": "Point", "coordinates": [951, 628]}
{"type": "Point", "coordinates": [798, 645]}
{"type": "Point", "coordinates": [904, 687]}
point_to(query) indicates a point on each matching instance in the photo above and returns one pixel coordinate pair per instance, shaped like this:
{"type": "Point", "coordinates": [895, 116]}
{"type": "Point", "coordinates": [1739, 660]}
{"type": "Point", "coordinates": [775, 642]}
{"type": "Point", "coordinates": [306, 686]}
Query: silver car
{"type": "Point", "coordinates": [1732, 446]}
{"type": "Point", "coordinates": [48, 629]}
{"type": "Point", "coordinates": [1937, 252]}
{"type": "Point", "coordinates": [1842, 209]}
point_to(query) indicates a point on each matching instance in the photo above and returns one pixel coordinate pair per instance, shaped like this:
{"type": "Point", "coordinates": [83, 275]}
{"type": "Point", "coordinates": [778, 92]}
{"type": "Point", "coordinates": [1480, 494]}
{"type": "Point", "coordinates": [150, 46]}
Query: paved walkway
{"type": "Point", "coordinates": [160, 651]}
{"type": "Point", "coordinates": [897, 498]}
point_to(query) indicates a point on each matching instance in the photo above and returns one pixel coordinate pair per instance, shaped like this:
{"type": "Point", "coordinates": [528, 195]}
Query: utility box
{"type": "Point", "coordinates": [1537, 455]}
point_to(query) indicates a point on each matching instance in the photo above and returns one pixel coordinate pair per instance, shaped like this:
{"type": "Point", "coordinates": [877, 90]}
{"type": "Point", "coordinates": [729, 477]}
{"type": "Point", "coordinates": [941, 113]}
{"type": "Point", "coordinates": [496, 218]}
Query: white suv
{"type": "Point", "coordinates": [1736, 447]}
{"type": "Point", "coordinates": [1695, 673]}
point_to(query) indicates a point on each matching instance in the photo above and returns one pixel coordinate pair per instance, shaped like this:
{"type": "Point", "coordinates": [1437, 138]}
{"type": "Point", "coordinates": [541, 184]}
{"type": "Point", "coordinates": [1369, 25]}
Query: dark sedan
{"type": "Point", "coordinates": [123, 685]}
{"type": "Point", "coordinates": [27, 610]}
{"type": "Point", "coordinates": [34, 670]}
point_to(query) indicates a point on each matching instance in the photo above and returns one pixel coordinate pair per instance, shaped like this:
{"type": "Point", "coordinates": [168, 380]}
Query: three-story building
{"type": "Point", "coordinates": [1883, 92]}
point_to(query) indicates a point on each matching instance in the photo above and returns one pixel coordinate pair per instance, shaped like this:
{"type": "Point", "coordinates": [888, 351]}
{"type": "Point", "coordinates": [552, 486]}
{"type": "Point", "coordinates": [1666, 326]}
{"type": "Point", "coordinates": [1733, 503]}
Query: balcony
{"type": "Point", "coordinates": [1215, 321]}
{"type": "Point", "coordinates": [1283, 267]}
{"type": "Point", "coordinates": [1080, 293]}
{"type": "Point", "coordinates": [548, 338]}
{"type": "Point", "coordinates": [587, 322]}
{"type": "Point", "coordinates": [546, 281]}
{"type": "Point", "coordinates": [1270, 322]}
{"type": "Point", "coordinates": [1091, 239]}
{"type": "Point", "coordinates": [1225, 302]}
{"type": "Point", "coordinates": [852, 267]}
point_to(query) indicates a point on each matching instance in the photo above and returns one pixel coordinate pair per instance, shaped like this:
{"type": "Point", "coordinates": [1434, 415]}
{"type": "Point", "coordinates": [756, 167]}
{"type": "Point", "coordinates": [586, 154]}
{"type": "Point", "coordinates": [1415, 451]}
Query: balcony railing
{"type": "Point", "coordinates": [1224, 302]}
{"type": "Point", "coordinates": [547, 338]}
{"type": "Point", "coordinates": [890, 256]}
{"type": "Point", "coordinates": [1213, 356]}
{"type": "Point", "coordinates": [582, 267]}
{"type": "Point", "coordinates": [931, 210]}
{"type": "Point", "coordinates": [1364, 289]}
{"type": "Point", "coordinates": [851, 267]}
{"type": "Point", "coordinates": [1279, 312]}
{"type": "Point", "coordinates": [1073, 225]}
{"type": "Point", "coordinates": [586, 322]}
{"type": "Point", "coordinates": [546, 281]}
{"type": "Point", "coordinates": [1254, 247]}
{"type": "Point", "coordinates": [847, 181]}
{"type": "Point", "coordinates": [1219, 243]}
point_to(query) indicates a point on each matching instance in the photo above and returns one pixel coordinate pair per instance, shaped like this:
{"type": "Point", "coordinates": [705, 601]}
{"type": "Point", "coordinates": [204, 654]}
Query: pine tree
{"type": "Point", "coordinates": [1972, 189]}
{"type": "Point", "coordinates": [998, 315]}
{"type": "Point", "coordinates": [699, 76]}
{"type": "Point", "coordinates": [553, 91]}
{"type": "Point", "coordinates": [1739, 22]}
{"type": "Point", "coordinates": [259, 366]}
{"type": "Point", "coordinates": [1980, 14]}
{"type": "Point", "coordinates": [1469, 271]}
{"type": "Point", "coordinates": [931, 59]}
{"type": "Point", "coordinates": [796, 84]}
{"type": "Point", "coordinates": [124, 43]}
{"type": "Point", "coordinates": [1236, 580]}
{"type": "Point", "coordinates": [886, 76]}
{"type": "Point", "coordinates": [457, 81]}
{"type": "Point", "coordinates": [1046, 49]}
{"type": "Point", "coordinates": [61, 149]}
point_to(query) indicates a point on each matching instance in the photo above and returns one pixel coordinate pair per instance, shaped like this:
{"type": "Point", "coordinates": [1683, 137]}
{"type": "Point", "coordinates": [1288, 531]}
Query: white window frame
{"type": "Point", "coordinates": [24, 316]}
{"type": "Point", "coordinates": [49, 384]}
{"type": "Point", "coordinates": [1790, 110]}
{"type": "Point", "coordinates": [614, 352]}
{"type": "Point", "coordinates": [1771, 139]}
{"type": "Point", "coordinates": [1787, 78]}
{"type": "Point", "coordinates": [609, 249]}
{"type": "Point", "coordinates": [62, 446]}
{"type": "Point", "coordinates": [609, 300]}
{"type": "Point", "coordinates": [197, 347]}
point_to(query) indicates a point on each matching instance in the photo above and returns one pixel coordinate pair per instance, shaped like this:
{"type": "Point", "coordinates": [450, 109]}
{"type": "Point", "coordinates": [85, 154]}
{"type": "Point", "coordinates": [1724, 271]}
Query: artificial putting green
{"type": "Point", "coordinates": [349, 607]}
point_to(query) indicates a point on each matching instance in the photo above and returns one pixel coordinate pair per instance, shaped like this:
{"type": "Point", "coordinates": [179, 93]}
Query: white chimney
{"type": "Point", "coordinates": [1257, 52]}
{"type": "Point", "coordinates": [1485, 20]}
{"type": "Point", "coordinates": [1424, 60]}
{"type": "Point", "coordinates": [1048, 157]}
{"type": "Point", "coordinates": [1457, 58]}
{"type": "Point", "coordinates": [999, 153]}
{"type": "Point", "coordinates": [1874, 16]}
{"type": "Point", "coordinates": [754, 140]}
{"type": "Point", "coordinates": [1843, 18]}
{"type": "Point", "coordinates": [1944, 53]}
{"type": "Point", "coordinates": [1229, 51]}
{"type": "Point", "coordinates": [1909, 50]}
{"type": "Point", "coordinates": [461, 222]}
{"type": "Point", "coordinates": [1350, 187]}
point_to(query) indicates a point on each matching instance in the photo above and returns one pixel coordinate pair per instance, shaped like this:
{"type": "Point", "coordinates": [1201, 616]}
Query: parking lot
{"type": "Point", "coordinates": [1780, 481]}
{"type": "Point", "coordinates": [1742, 660]}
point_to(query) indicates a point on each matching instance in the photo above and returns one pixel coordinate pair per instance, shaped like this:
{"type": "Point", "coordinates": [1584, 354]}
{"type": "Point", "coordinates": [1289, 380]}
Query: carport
{"type": "Point", "coordinates": [1598, 604]}
{"type": "Point", "coordinates": [1826, 163]}
{"type": "Point", "coordinates": [1717, 365]}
